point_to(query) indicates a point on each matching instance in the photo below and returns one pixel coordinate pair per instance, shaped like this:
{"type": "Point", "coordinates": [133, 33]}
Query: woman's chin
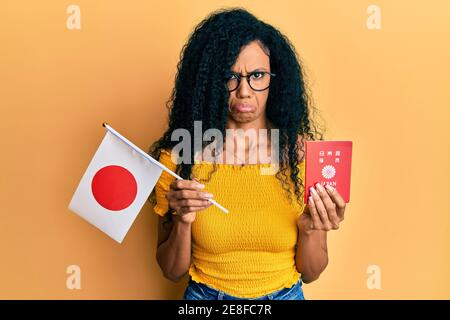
{"type": "Point", "coordinates": [243, 117]}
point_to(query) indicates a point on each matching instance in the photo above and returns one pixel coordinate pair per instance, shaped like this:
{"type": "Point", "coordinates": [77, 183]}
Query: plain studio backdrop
{"type": "Point", "coordinates": [386, 89]}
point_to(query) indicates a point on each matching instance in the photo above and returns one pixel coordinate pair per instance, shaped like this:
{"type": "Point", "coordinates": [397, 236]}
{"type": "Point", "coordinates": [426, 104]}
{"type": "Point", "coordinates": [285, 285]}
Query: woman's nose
{"type": "Point", "coordinates": [244, 90]}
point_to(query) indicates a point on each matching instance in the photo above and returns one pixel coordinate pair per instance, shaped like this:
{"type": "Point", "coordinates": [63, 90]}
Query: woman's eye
{"type": "Point", "coordinates": [257, 75]}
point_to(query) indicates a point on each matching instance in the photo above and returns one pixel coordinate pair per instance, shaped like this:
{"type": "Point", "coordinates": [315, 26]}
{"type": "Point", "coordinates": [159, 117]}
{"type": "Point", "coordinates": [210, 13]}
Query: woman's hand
{"type": "Point", "coordinates": [186, 199]}
{"type": "Point", "coordinates": [325, 210]}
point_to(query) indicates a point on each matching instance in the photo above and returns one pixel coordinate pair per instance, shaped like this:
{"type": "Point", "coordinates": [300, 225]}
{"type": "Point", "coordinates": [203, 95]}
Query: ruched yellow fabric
{"type": "Point", "coordinates": [250, 251]}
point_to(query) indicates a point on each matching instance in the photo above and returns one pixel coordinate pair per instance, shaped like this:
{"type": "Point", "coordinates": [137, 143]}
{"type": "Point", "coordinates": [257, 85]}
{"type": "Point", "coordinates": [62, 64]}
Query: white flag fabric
{"type": "Point", "coordinates": [114, 187]}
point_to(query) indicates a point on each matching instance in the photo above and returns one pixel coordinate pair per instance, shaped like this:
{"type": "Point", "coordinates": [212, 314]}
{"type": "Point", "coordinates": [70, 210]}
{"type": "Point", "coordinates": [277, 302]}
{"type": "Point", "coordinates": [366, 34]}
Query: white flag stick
{"type": "Point", "coordinates": [145, 155]}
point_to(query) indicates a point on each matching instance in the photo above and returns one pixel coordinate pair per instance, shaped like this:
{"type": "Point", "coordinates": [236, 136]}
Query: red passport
{"type": "Point", "coordinates": [328, 162]}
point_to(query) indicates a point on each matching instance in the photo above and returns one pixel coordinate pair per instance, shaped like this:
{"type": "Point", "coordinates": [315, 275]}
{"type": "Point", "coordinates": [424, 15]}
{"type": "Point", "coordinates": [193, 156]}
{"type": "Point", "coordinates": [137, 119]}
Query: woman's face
{"type": "Point", "coordinates": [247, 105]}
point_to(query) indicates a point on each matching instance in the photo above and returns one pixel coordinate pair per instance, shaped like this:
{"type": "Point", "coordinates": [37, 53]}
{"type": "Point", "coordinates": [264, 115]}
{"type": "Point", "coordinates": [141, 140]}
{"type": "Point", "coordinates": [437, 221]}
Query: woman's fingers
{"type": "Point", "coordinates": [185, 196]}
{"type": "Point", "coordinates": [193, 203]}
{"type": "Point", "coordinates": [317, 224]}
{"type": "Point", "coordinates": [186, 184]}
{"type": "Point", "coordinates": [338, 201]}
{"type": "Point", "coordinates": [187, 189]}
{"type": "Point", "coordinates": [330, 206]}
{"type": "Point", "coordinates": [320, 207]}
{"type": "Point", "coordinates": [326, 207]}
{"type": "Point", "coordinates": [190, 194]}
{"type": "Point", "coordinates": [190, 209]}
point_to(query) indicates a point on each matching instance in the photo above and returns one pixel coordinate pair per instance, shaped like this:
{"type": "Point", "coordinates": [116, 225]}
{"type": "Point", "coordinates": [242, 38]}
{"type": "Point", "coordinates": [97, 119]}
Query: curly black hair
{"type": "Point", "coordinates": [200, 93]}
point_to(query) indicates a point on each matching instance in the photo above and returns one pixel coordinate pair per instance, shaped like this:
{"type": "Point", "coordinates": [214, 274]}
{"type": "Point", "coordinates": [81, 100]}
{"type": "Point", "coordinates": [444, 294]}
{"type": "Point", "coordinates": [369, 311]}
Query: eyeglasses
{"type": "Point", "coordinates": [257, 80]}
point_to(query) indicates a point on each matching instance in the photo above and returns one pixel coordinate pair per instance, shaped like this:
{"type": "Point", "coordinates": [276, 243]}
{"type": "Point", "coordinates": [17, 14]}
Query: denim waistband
{"type": "Point", "coordinates": [201, 291]}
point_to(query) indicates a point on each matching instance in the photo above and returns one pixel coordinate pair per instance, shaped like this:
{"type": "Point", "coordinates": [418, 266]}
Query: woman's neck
{"type": "Point", "coordinates": [251, 146]}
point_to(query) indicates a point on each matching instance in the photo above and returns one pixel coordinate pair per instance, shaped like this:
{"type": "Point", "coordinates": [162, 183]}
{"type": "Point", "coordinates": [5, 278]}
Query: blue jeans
{"type": "Point", "coordinates": [200, 291]}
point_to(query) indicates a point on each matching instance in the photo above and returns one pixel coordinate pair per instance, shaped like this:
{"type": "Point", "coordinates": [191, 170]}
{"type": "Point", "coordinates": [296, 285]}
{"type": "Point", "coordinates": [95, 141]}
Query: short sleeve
{"type": "Point", "coordinates": [163, 184]}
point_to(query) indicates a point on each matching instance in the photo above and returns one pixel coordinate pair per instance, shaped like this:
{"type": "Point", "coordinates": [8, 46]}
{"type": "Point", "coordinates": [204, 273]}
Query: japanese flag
{"type": "Point", "coordinates": [115, 186]}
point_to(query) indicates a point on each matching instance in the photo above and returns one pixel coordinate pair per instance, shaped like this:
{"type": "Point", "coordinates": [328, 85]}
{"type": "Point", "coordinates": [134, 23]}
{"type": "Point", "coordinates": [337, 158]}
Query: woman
{"type": "Point", "coordinates": [237, 72]}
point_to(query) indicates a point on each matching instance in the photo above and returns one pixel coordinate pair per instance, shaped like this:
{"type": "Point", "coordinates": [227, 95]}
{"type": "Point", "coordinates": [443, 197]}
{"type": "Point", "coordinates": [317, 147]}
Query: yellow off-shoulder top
{"type": "Point", "coordinates": [250, 251]}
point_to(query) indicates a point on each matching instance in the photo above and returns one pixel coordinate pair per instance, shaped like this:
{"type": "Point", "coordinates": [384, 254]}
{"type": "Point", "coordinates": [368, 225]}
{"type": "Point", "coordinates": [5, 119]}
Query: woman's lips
{"type": "Point", "coordinates": [243, 108]}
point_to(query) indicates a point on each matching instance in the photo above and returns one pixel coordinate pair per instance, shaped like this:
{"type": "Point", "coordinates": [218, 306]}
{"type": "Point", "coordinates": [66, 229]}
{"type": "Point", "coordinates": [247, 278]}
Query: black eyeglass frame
{"type": "Point", "coordinates": [239, 76]}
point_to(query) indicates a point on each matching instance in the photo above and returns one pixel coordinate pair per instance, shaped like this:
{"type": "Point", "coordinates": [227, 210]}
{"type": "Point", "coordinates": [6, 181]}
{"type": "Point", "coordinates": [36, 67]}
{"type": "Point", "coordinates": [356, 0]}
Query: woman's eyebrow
{"type": "Point", "coordinates": [259, 69]}
{"type": "Point", "coordinates": [255, 70]}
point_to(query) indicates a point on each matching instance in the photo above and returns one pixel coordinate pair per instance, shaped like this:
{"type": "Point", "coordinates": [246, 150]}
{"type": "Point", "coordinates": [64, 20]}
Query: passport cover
{"type": "Point", "coordinates": [328, 162]}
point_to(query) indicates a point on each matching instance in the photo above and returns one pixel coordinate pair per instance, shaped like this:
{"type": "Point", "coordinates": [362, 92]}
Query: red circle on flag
{"type": "Point", "coordinates": [114, 187]}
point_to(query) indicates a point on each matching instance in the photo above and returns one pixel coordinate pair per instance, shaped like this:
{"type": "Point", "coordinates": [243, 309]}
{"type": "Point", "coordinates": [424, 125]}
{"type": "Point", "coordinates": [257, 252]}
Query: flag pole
{"type": "Point", "coordinates": [157, 163]}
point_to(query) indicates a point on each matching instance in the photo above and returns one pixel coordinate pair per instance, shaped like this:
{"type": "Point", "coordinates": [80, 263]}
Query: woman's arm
{"type": "Point", "coordinates": [174, 248]}
{"type": "Point", "coordinates": [174, 237]}
{"type": "Point", "coordinates": [324, 212]}
{"type": "Point", "coordinates": [311, 257]}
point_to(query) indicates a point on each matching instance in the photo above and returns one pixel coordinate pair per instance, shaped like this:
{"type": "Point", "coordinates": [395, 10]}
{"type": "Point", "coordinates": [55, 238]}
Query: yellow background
{"type": "Point", "coordinates": [386, 90]}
